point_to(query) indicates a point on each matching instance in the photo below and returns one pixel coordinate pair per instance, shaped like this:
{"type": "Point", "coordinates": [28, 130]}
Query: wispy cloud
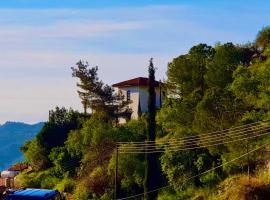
{"type": "Point", "coordinates": [38, 47]}
{"type": "Point", "coordinates": [68, 30]}
{"type": "Point", "coordinates": [31, 102]}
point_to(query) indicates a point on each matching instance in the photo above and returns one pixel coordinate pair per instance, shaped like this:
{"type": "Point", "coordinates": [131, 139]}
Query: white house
{"type": "Point", "coordinates": [136, 90]}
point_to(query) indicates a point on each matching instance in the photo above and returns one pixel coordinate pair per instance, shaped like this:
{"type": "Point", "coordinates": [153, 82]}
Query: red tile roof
{"type": "Point", "coordinates": [140, 81]}
{"type": "Point", "coordinates": [18, 167]}
{"type": "Point", "coordinates": [2, 183]}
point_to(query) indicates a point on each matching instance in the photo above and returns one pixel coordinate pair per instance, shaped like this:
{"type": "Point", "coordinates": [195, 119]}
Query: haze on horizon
{"type": "Point", "coordinates": [40, 41]}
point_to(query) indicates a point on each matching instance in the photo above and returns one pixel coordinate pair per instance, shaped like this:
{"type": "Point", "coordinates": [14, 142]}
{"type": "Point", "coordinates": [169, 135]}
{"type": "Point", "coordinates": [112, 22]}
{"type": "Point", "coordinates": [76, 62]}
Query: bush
{"type": "Point", "coordinates": [81, 192]}
{"type": "Point", "coordinates": [167, 195]}
{"type": "Point", "coordinates": [43, 179]}
{"type": "Point", "coordinates": [66, 185]}
{"type": "Point", "coordinates": [210, 179]}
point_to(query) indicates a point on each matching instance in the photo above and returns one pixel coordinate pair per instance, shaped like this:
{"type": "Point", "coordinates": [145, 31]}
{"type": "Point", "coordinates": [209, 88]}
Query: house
{"type": "Point", "coordinates": [136, 91]}
{"type": "Point", "coordinates": [8, 176]}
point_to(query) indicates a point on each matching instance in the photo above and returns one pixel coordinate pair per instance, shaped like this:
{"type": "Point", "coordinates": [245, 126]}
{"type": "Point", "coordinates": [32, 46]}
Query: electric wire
{"type": "Point", "coordinates": [199, 140]}
{"type": "Point", "coordinates": [206, 134]}
{"type": "Point", "coordinates": [196, 143]}
{"type": "Point", "coordinates": [198, 175]}
{"type": "Point", "coordinates": [175, 149]}
{"type": "Point", "coordinates": [191, 148]}
{"type": "Point", "coordinates": [194, 137]}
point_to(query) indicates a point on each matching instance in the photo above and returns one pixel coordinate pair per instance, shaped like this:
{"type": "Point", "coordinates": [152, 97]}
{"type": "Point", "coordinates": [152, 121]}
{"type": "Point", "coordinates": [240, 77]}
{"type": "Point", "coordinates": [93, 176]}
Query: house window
{"type": "Point", "coordinates": [128, 95]}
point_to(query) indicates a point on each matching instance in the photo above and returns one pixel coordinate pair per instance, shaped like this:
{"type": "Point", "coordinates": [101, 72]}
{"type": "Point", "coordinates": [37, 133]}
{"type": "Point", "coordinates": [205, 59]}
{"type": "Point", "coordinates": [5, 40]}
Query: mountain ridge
{"type": "Point", "coordinates": [12, 136]}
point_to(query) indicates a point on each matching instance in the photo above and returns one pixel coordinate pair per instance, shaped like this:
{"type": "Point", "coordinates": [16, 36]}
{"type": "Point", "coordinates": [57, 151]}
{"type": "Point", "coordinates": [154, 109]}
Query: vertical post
{"type": "Point", "coordinates": [160, 91]}
{"type": "Point", "coordinates": [248, 161]}
{"type": "Point", "coordinates": [116, 175]}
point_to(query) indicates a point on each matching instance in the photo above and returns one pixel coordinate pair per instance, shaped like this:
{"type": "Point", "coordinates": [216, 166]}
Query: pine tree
{"type": "Point", "coordinates": [152, 179]}
{"type": "Point", "coordinates": [96, 95]}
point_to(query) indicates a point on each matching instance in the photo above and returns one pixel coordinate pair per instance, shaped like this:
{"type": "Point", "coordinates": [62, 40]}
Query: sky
{"type": "Point", "coordinates": [41, 40]}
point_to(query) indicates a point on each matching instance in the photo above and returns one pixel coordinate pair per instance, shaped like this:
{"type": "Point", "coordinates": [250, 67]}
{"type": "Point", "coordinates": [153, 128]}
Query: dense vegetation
{"type": "Point", "coordinates": [209, 89]}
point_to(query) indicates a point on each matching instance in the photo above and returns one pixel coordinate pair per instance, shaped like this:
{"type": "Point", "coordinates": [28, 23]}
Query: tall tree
{"type": "Point", "coordinates": [89, 83]}
{"type": "Point", "coordinates": [96, 95]}
{"type": "Point", "coordinates": [152, 179]}
{"type": "Point", "coordinates": [186, 72]}
{"type": "Point", "coordinates": [53, 134]}
{"type": "Point", "coordinates": [263, 39]}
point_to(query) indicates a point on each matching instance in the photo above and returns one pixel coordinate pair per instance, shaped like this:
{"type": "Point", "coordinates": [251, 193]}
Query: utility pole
{"type": "Point", "coordinates": [248, 169]}
{"type": "Point", "coordinates": [116, 175]}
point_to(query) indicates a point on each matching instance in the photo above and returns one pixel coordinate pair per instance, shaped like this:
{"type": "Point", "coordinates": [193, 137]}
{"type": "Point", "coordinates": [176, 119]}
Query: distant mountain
{"type": "Point", "coordinates": [12, 136]}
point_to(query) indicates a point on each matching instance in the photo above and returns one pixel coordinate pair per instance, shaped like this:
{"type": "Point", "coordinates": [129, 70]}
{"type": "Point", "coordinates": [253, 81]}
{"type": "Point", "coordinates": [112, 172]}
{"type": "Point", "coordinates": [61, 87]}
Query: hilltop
{"type": "Point", "coordinates": [12, 136]}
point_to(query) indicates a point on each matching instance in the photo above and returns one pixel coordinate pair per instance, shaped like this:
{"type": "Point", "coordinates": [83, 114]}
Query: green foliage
{"type": "Point", "coordinates": [180, 166]}
{"type": "Point", "coordinates": [131, 171]}
{"type": "Point", "coordinates": [212, 90]}
{"type": "Point", "coordinates": [252, 84]}
{"type": "Point", "coordinates": [152, 178]}
{"type": "Point", "coordinates": [263, 38]}
{"type": "Point", "coordinates": [210, 179]}
{"type": "Point", "coordinates": [97, 96]}
{"type": "Point", "coordinates": [55, 131]}
{"type": "Point", "coordinates": [66, 185]}
{"type": "Point", "coordinates": [219, 108]}
{"type": "Point", "coordinates": [43, 179]}
{"type": "Point", "coordinates": [35, 155]}
{"type": "Point", "coordinates": [94, 144]}
{"type": "Point", "coordinates": [186, 72]}
{"type": "Point", "coordinates": [209, 89]}
{"type": "Point", "coordinates": [64, 163]}
{"type": "Point", "coordinates": [168, 195]}
{"type": "Point", "coordinates": [226, 59]}
{"type": "Point", "coordinates": [53, 134]}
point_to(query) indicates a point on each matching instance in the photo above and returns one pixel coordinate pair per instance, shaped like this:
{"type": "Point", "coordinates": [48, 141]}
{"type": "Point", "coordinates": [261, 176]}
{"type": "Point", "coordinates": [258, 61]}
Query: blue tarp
{"type": "Point", "coordinates": [32, 194]}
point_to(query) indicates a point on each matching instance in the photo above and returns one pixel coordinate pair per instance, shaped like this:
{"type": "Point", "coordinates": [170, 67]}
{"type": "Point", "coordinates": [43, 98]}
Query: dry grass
{"type": "Point", "coordinates": [242, 188]}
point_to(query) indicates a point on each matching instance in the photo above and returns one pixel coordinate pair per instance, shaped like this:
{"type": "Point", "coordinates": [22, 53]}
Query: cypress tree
{"type": "Point", "coordinates": [139, 109]}
{"type": "Point", "coordinates": [151, 181]}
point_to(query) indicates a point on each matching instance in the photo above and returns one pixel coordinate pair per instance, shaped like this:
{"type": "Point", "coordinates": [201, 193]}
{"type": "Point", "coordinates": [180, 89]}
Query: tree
{"type": "Point", "coordinates": [225, 61]}
{"type": "Point", "coordinates": [97, 96]}
{"type": "Point", "coordinates": [186, 72]}
{"type": "Point", "coordinates": [201, 101]}
{"type": "Point", "coordinates": [55, 131]}
{"type": "Point", "coordinates": [53, 134]}
{"type": "Point", "coordinates": [263, 39]}
{"type": "Point", "coordinates": [35, 155]}
{"type": "Point", "coordinates": [152, 175]}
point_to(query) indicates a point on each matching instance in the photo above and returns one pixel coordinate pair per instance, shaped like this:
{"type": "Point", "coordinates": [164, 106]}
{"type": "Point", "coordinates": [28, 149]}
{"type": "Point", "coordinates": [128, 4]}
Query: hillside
{"type": "Point", "coordinates": [12, 136]}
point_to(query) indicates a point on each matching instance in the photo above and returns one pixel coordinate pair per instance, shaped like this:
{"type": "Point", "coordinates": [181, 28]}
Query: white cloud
{"type": "Point", "coordinates": [38, 47]}
{"type": "Point", "coordinates": [29, 91]}
{"type": "Point", "coordinates": [31, 102]}
{"type": "Point", "coordinates": [53, 61]}
{"type": "Point", "coordinates": [86, 29]}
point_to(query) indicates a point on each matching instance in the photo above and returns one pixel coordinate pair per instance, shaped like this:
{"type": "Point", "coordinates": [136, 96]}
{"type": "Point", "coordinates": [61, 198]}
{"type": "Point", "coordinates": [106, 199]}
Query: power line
{"type": "Point", "coordinates": [195, 140]}
{"type": "Point", "coordinates": [206, 134]}
{"type": "Point", "coordinates": [198, 175]}
{"type": "Point", "coordinates": [175, 149]}
{"type": "Point", "coordinates": [191, 148]}
{"type": "Point", "coordinates": [198, 141]}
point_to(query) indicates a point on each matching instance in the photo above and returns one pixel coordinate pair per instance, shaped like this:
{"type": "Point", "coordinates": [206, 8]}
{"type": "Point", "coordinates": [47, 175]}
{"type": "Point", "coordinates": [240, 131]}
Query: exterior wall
{"type": "Point", "coordinates": [139, 94]}
{"type": "Point", "coordinates": [134, 97]}
{"type": "Point", "coordinates": [144, 98]}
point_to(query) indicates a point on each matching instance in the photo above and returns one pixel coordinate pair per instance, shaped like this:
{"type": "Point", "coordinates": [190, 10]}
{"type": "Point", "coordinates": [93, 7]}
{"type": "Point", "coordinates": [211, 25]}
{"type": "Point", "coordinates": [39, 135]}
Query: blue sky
{"type": "Point", "coordinates": [78, 3]}
{"type": "Point", "coordinates": [41, 40]}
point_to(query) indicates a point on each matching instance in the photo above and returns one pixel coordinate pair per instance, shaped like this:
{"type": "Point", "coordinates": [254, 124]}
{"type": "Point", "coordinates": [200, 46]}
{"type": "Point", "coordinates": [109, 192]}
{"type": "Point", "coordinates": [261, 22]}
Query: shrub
{"type": "Point", "coordinates": [66, 185]}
